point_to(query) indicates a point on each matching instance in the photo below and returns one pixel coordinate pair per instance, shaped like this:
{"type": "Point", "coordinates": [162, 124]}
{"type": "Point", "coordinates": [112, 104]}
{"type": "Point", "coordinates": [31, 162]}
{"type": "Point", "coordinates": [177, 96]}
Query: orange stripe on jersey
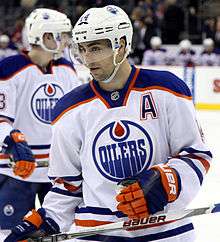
{"type": "Point", "coordinates": [204, 162]}
{"type": "Point", "coordinates": [2, 120]}
{"type": "Point", "coordinates": [163, 89]}
{"type": "Point", "coordinates": [72, 107]}
{"type": "Point", "coordinates": [4, 156]}
{"type": "Point", "coordinates": [131, 85]}
{"type": "Point", "coordinates": [69, 187]}
{"type": "Point", "coordinates": [90, 223]}
{"type": "Point", "coordinates": [98, 95]}
{"type": "Point", "coordinates": [40, 156]}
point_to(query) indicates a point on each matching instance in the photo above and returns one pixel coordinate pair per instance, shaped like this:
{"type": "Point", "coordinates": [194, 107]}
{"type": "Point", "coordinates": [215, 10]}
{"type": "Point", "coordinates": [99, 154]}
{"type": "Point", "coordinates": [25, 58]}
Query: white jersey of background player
{"type": "Point", "coordinates": [156, 55]}
{"type": "Point", "coordinates": [186, 56]}
{"type": "Point", "coordinates": [126, 123]}
{"type": "Point", "coordinates": [208, 57]}
{"type": "Point", "coordinates": [31, 84]}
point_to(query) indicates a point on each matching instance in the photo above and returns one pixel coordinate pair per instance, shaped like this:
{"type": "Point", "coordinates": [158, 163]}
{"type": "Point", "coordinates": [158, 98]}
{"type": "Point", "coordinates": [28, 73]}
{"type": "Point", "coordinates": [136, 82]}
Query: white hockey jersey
{"type": "Point", "coordinates": [100, 138]}
{"type": "Point", "coordinates": [208, 59]}
{"type": "Point", "coordinates": [155, 57]}
{"type": "Point", "coordinates": [27, 96]}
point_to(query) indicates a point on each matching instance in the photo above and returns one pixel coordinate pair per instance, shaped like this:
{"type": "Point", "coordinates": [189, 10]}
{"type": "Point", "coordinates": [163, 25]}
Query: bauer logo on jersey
{"type": "Point", "coordinates": [44, 100]}
{"type": "Point", "coordinates": [122, 149]}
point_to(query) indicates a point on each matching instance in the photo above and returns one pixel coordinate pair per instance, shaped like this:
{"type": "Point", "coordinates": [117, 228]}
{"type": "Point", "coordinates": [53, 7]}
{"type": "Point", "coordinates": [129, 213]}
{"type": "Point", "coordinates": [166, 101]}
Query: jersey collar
{"type": "Point", "coordinates": [116, 98]}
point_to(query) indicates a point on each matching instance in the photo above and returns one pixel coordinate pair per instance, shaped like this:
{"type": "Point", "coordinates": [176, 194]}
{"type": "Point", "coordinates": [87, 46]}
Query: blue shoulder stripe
{"type": "Point", "coordinates": [78, 95]}
{"type": "Point", "coordinates": [12, 64]}
{"type": "Point", "coordinates": [63, 61]}
{"type": "Point", "coordinates": [163, 79]}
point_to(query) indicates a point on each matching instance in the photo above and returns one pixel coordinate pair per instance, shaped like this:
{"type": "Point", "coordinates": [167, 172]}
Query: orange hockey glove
{"type": "Point", "coordinates": [16, 146]}
{"type": "Point", "coordinates": [149, 192]}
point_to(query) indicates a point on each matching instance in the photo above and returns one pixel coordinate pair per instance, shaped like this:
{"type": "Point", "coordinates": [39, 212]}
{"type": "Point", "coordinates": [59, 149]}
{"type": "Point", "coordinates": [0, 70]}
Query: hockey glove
{"type": "Point", "coordinates": [16, 146]}
{"type": "Point", "coordinates": [149, 192]}
{"type": "Point", "coordinates": [35, 224]}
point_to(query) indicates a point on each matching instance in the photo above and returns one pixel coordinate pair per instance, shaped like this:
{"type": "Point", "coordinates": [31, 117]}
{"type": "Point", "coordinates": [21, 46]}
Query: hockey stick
{"type": "Point", "coordinates": [133, 224]}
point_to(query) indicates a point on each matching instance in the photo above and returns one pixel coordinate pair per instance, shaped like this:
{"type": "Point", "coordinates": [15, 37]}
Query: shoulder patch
{"type": "Point", "coordinates": [162, 80]}
{"type": "Point", "coordinates": [12, 65]}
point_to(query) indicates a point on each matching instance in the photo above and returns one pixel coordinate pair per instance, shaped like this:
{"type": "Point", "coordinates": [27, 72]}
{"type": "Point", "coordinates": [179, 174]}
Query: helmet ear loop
{"type": "Point", "coordinates": [115, 55]}
{"type": "Point", "coordinates": [58, 43]}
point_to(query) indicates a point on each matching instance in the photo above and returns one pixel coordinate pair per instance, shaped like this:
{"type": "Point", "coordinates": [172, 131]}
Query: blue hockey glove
{"type": "Point", "coordinates": [149, 192]}
{"type": "Point", "coordinates": [16, 146]}
{"type": "Point", "coordinates": [35, 224]}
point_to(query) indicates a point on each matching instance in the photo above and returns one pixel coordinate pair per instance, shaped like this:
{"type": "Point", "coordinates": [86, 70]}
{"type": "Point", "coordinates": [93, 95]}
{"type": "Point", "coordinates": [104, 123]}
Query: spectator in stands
{"type": "Point", "coordinates": [209, 28]}
{"type": "Point", "coordinates": [208, 56]}
{"type": "Point", "coordinates": [156, 55]}
{"type": "Point", "coordinates": [5, 49]}
{"type": "Point", "coordinates": [16, 36]}
{"type": "Point", "coordinates": [186, 56]}
{"type": "Point", "coordinates": [217, 34]}
{"type": "Point", "coordinates": [173, 23]}
{"type": "Point", "coordinates": [143, 27]}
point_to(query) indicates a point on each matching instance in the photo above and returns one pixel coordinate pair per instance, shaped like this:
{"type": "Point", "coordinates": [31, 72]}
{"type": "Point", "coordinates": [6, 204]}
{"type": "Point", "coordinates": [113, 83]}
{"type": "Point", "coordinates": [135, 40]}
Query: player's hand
{"type": "Point", "coordinates": [149, 192]}
{"type": "Point", "coordinates": [16, 146]}
{"type": "Point", "coordinates": [35, 224]}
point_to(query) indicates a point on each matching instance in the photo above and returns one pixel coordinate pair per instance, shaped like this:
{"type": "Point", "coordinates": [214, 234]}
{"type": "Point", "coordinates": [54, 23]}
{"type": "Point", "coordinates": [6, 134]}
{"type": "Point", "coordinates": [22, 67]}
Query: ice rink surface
{"type": "Point", "coordinates": [207, 226]}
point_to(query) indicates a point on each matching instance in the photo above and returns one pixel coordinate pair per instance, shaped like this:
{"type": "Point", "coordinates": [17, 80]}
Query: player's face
{"type": "Point", "coordinates": [98, 57]}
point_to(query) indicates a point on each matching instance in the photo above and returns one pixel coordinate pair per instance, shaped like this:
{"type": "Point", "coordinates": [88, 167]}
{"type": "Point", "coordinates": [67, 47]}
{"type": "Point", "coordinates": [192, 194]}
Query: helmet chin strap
{"type": "Point", "coordinates": [117, 65]}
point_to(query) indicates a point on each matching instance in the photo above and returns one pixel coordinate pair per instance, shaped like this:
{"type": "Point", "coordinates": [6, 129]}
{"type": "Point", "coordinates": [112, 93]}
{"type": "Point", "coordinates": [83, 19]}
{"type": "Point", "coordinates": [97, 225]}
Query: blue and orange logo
{"type": "Point", "coordinates": [43, 101]}
{"type": "Point", "coordinates": [122, 149]}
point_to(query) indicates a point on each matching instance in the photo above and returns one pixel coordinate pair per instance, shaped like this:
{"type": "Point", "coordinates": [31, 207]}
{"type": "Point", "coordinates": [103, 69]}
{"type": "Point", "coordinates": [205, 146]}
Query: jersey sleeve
{"type": "Point", "coordinates": [65, 173]}
{"type": "Point", "coordinates": [189, 154]}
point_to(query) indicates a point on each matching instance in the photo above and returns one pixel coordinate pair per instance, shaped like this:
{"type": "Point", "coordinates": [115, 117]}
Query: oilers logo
{"type": "Point", "coordinates": [122, 149]}
{"type": "Point", "coordinates": [44, 100]}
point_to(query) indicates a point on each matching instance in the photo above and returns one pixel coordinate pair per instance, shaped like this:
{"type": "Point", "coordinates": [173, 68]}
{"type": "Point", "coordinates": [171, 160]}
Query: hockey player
{"type": "Point", "coordinates": [186, 55]}
{"type": "Point", "coordinates": [128, 124]}
{"type": "Point", "coordinates": [31, 83]}
{"type": "Point", "coordinates": [208, 56]}
{"type": "Point", "coordinates": [5, 48]}
{"type": "Point", "coordinates": [156, 55]}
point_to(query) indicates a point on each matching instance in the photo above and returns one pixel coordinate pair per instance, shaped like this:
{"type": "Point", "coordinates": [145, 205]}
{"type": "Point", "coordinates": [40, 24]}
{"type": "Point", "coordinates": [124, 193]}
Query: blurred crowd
{"type": "Point", "coordinates": [157, 23]}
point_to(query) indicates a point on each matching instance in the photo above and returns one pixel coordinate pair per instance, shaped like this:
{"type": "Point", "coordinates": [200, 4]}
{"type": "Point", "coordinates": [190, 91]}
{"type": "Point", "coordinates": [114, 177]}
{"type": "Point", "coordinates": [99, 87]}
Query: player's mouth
{"type": "Point", "coordinates": [94, 70]}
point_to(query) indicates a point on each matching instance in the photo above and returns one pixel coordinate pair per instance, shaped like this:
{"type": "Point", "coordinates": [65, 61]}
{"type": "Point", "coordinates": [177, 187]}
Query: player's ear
{"type": "Point", "coordinates": [121, 50]}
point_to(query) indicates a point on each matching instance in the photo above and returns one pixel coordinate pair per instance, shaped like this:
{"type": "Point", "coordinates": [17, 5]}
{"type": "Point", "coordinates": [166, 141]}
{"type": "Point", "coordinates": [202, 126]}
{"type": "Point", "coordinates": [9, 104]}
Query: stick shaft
{"type": "Point", "coordinates": [131, 224]}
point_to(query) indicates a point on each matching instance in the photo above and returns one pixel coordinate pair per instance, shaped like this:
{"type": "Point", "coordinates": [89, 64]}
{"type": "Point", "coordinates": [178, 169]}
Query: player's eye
{"type": "Point", "coordinates": [95, 49]}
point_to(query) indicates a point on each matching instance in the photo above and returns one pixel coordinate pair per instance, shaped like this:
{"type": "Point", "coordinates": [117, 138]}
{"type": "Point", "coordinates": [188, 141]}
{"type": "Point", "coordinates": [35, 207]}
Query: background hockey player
{"type": "Point", "coordinates": [186, 55]}
{"type": "Point", "coordinates": [208, 56]}
{"type": "Point", "coordinates": [31, 83]}
{"type": "Point", "coordinates": [127, 123]}
{"type": "Point", "coordinates": [156, 55]}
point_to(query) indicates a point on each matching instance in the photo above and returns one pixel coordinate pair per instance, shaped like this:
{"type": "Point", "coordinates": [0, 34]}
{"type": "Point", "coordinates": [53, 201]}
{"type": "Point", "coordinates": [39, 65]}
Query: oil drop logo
{"type": "Point", "coordinates": [122, 149]}
{"type": "Point", "coordinates": [44, 100]}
